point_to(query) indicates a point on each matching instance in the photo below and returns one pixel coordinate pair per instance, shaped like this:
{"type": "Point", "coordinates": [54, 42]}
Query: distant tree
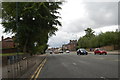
{"type": "Point", "coordinates": [85, 41]}
{"type": "Point", "coordinates": [103, 39]}
{"type": "Point", "coordinates": [89, 32]}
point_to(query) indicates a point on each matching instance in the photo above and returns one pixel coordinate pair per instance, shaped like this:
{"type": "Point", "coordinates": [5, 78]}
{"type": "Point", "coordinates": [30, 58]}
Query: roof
{"type": "Point", "coordinates": [8, 39]}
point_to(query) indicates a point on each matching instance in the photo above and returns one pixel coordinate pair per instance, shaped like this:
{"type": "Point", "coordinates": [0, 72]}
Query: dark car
{"type": "Point", "coordinates": [82, 52]}
{"type": "Point", "coordinates": [51, 52]}
{"type": "Point", "coordinates": [99, 51]}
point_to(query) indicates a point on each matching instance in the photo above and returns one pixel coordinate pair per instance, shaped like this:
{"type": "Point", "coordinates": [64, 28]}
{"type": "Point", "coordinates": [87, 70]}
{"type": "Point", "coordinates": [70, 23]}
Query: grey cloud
{"type": "Point", "coordinates": [119, 15]}
{"type": "Point", "coordinates": [100, 14]}
{"type": "Point", "coordinates": [59, 39]}
{"type": "Point", "coordinates": [103, 13]}
{"type": "Point", "coordinates": [101, 0]}
{"type": "Point", "coordinates": [79, 25]}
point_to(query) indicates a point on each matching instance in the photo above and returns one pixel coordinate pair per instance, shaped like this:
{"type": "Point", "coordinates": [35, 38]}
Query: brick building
{"type": "Point", "coordinates": [70, 46]}
{"type": "Point", "coordinates": [7, 43]}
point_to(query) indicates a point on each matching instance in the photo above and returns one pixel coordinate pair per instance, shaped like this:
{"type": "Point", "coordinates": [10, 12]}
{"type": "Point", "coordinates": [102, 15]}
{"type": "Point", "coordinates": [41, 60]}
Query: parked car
{"type": "Point", "coordinates": [82, 51]}
{"type": "Point", "coordinates": [99, 51]}
{"type": "Point", "coordinates": [56, 52]}
{"type": "Point", "coordinates": [67, 51]}
{"type": "Point", "coordinates": [60, 51]}
{"type": "Point", "coordinates": [51, 52]}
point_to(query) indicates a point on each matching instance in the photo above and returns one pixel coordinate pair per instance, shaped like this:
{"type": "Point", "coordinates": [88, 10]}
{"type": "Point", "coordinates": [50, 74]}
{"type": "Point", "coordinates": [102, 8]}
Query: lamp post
{"type": "Point", "coordinates": [17, 26]}
{"type": "Point", "coordinates": [17, 35]}
{"type": "Point", "coordinates": [17, 17]}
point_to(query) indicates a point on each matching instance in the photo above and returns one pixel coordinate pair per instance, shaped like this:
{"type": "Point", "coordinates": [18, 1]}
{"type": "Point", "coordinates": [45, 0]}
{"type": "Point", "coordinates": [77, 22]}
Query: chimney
{"type": "Point", "coordinates": [12, 37]}
{"type": "Point", "coordinates": [2, 38]}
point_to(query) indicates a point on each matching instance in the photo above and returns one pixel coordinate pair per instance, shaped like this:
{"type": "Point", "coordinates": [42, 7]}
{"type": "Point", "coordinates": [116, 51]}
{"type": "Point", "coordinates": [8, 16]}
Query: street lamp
{"type": "Point", "coordinates": [21, 18]}
{"type": "Point", "coordinates": [33, 18]}
{"type": "Point", "coordinates": [35, 43]}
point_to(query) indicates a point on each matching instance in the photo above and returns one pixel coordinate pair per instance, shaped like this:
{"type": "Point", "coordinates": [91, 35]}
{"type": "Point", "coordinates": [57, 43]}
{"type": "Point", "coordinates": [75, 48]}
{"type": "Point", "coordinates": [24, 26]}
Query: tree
{"type": "Point", "coordinates": [89, 32]}
{"type": "Point", "coordinates": [103, 39]}
{"type": "Point", "coordinates": [85, 41]}
{"type": "Point", "coordinates": [37, 21]}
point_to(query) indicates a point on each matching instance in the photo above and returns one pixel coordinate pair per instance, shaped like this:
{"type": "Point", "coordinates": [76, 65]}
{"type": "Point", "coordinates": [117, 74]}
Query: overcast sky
{"type": "Point", "coordinates": [77, 15]}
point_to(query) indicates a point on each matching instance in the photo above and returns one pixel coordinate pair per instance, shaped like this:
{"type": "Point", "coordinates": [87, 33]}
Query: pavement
{"type": "Point", "coordinates": [70, 65]}
{"type": "Point", "coordinates": [38, 60]}
{"type": "Point", "coordinates": [23, 68]}
{"type": "Point", "coordinates": [0, 62]}
{"type": "Point", "coordinates": [109, 52]}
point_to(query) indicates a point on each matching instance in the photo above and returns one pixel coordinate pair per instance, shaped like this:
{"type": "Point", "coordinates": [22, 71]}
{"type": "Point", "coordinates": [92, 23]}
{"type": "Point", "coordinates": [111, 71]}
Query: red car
{"type": "Point", "coordinates": [99, 51]}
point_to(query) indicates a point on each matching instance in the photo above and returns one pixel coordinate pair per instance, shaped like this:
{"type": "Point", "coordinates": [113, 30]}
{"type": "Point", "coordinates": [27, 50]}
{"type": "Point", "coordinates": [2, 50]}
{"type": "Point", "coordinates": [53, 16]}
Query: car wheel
{"type": "Point", "coordinates": [105, 53]}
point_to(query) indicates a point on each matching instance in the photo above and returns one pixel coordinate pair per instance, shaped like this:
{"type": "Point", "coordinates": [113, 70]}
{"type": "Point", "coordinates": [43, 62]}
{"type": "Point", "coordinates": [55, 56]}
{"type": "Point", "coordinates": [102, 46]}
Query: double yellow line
{"type": "Point", "coordinates": [38, 70]}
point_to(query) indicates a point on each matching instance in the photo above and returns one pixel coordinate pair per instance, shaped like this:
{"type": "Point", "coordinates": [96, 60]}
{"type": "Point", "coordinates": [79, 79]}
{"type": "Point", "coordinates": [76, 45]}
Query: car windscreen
{"type": "Point", "coordinates": [82, 50]}
{"type": "Point", "coordinates": [99, 49]}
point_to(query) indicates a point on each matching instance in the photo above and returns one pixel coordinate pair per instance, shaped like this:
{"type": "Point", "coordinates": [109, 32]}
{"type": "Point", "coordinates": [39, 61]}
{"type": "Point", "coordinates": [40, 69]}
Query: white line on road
{"type": "Point", "coordinates": [102, 77]}
{"type": "Point", "coordinates": [74, 64]}
{"type": "Point", "coordinates": [116, 60]}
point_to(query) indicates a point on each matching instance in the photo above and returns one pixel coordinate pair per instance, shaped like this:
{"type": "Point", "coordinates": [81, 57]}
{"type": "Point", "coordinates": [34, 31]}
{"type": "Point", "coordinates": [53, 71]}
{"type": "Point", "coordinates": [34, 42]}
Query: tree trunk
{"type": "Point", "coordinates": [25, 46]}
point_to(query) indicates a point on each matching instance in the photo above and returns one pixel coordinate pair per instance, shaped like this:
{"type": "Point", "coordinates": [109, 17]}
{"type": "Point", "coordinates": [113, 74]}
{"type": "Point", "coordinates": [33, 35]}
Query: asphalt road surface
{"type": "Point", "coordinates": [70, 65]}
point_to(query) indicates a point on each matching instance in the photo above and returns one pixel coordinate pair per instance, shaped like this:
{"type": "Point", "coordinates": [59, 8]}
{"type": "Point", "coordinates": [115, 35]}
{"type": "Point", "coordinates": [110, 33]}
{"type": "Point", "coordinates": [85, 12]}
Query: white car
{"type": "Point", "coordinates": [67, 51]}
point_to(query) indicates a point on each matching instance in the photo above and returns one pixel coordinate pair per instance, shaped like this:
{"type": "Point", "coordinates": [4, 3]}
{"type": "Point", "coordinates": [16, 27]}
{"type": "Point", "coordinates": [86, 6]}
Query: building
{"type": "Point", "coordinates": [7, 43]}
{"type": "Point", "coordinates": [70, 46]}
{"type": "Point", "coordinates": [55, 49]}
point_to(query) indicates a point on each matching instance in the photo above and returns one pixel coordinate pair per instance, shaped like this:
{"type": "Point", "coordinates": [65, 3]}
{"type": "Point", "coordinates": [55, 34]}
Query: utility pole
{"type": "Point", "coordinates": [17, 38]}
{"type": "Point", "coordinates": [17, 24]}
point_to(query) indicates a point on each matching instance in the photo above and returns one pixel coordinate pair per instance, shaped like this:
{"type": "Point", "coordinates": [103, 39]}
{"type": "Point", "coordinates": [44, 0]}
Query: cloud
{"type": "Point", "coordinates": [79, 15]}
{"type": "Point", "coordinates": [101, 0]}
{"type": "Point", "coordinates": [2, 30]}
{"type": "Point", "coordinates": [103, 13]}
{"type": "Point", "coordinates": [61, 38]}
{"type": "Point", "coordinates": [105, 29]}
{"type": "Point", "coordinates": [92, 14]}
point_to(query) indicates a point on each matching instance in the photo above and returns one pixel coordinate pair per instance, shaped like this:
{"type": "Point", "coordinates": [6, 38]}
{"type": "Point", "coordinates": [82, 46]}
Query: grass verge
{"type": "Point", "coordinates": [10, 54]}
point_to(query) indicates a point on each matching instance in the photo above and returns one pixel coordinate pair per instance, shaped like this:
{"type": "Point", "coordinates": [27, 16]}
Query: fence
{"type": "Point", "coordinates": [9, 50]}
{"type": "Point", "coordinates": [17, 65]}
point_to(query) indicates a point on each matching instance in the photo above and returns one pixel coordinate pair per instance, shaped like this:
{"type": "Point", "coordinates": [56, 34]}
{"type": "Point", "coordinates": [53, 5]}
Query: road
{"type": "Point", "coordinates": [71, 65]}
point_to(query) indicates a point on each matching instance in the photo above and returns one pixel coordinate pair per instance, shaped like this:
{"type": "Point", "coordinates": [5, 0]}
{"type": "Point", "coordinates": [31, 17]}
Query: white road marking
{"type": "Point", "coordinates": [74, 64]}
{"type": "Point", "coordinates": [116, 60]}
{"type": "Point", "coordinates": [102, 77]}
{"type": "Point", "coordinates": [64, 64]}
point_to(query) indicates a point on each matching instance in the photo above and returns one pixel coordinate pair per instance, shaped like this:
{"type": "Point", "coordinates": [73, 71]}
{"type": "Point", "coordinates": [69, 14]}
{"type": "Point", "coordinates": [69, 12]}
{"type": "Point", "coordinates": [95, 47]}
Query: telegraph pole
{"type": "Point", "coordinates": [17, 37]}
{"type": "Point", "coordinates": [17, 25]}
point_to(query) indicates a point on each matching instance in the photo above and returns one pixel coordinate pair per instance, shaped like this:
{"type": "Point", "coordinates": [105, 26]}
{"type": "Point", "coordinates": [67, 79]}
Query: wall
{"type": "Point", "coordinates": [9, 50]}
{"type": "Point", "coordinates": [110, 48]}
{"type": "Point", "coordinates": [8, 44]}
